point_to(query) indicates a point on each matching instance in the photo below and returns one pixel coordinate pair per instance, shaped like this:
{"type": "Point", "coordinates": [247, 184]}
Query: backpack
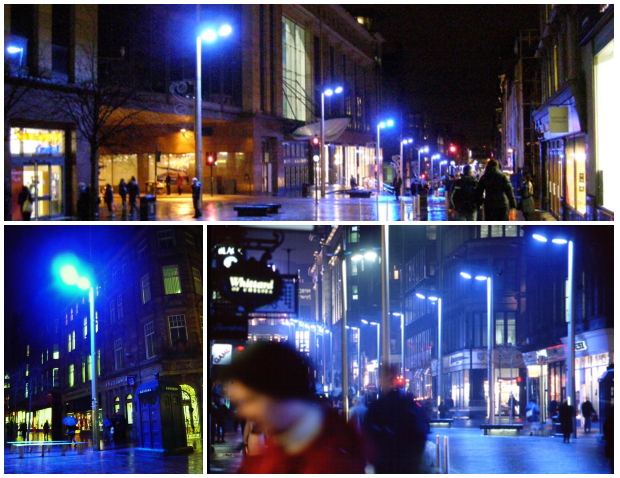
{"type": "Point", "coordinates": [464, 196]}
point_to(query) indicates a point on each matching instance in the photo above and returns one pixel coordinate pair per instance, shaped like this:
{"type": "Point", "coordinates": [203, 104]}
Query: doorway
{"type": "Point", "coordinates": [190, 411]}
{"type": "Point", "coordinates": [45, 183]}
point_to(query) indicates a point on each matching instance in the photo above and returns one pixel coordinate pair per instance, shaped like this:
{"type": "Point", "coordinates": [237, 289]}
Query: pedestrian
{"type": "Point", "coordinates": [397, 429]}
{"type": "Point", "coordinates": [168, 181]}
{"type": "Point", "coordinates": [443, 409]}
{"type": "Point", "coordinates": [526, 191]}
{"type": "Point", "coordinates": [107, 425]}
{"type": "Point", "coordinates": [357, 413]}
{"type": "Point", "coordinates": [532, 414]}
{"type": "Point", "coordinates": [587, 410]}
{"type": "Point", "coordinates": [196, 192]}
{"type": "Point", "coordinates": [134, 193]}
{"type": "Point", "coordinates": [222, 414]}
{"type": "Point", "coordinates": [512, 403]}
{"type": "Point", "coordinates": [180, 184]}
{"type": "Point", "coordinates": [464, 196]}
{"type": "Point", "coordinates": [274, 386]}
{"type": "Point", "coordinates": [122, 190]}
{"type": "Point", "coordinates": [494, 191]}
{"type": "Point", "coordinates": [567, 412]}
{"type": "Point", "coordinates": [415, 186]}
{"type": "Point", "coordinates": [71, 432]}
{"type": "Point", "coordinates": [397, 183]}
{"type": "Point", "coordinates": [109, 199]}
{"type": "Point", "coordinates": [353, 182]}
{"type": "Point", "coordinates": [23, 429]}
{"type": "Point", "coordinates": [25, 201]}
{"type": "Point", "coordinates": [46, 429]}
{"type": "Point", "coordinates": [553, 409]}
{"type": "Point", "coordinates": [83, 202]}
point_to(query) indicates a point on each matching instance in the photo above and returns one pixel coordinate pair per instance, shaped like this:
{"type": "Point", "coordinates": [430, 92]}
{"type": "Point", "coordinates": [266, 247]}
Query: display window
{"type": "Point", "coordinates": [575, 154]}
{"type": "Point", "coordinates": [605, 114]}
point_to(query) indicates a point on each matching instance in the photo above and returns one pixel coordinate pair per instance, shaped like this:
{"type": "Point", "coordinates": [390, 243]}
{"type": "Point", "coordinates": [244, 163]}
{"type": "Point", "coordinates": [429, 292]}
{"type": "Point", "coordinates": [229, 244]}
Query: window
{"type": "Point", "coordinates": [55, 378]}
{"type": "Point", "coordinates": [71, 372]}
{"type": "Point", "coordinates": [89, 366]}
{"type": "Point", "coordinates": [98, 363]}
{"type": "Point", "coordinates": [114, 275]}
{"type": "Point", "coordinates": [197, 281]}
{"type": "Point", "coordinates": [294, 70]}
{"type": "Point", "coordinates": [47, 355]}
{"type": "Point", "coordinates": [353, 269]}
{"type": "Point", "coordinates": [302, 341]}
{"type": "Point", "coordinates": [112, 312]}
{"type": "Point", "coordinates": [124, 262]}
{"type": "Point", "coordinates": [83, 371]}
{"type": "Point", "coordinates": [69, 342]}
{"type": "Point", "coordinates": [145, 285]}
{"type": "Point", "coordinates": [118, 354]}
{"type": "Point", "coordinates": [354, 290]}
{"type": "Point", "coordinates": [129, 408]}
{"type": "Point", "coordinates": [117, 405]}
{"type": "Point", "coordinates": [85, 327]}
{"type": "Point", "coordinates": [27, 350]}
{"type": "Point", "coordinates": [96, 322]}
{"type": "Point", "coordinates": [41, 359]}
{"type": "Point", "coordinates": [119, 302]}
{"type": "Point", "coordinates": [56, 324]}
{"type": "Point", "coordinates": [165, 239]}
{"type": "Point", "coordinates": [73, 340]}
{"type": "Point", "coordinates": [27, 369]}
{"type": "Point", "coordinates": [142, 250]}
{"type": "Point", "coordinates": [511, 337]}
{"type": "Point", "coordinates": [499, 328]}
{"type": "Point", "coordinates": [149, 340]}
{"type": "Point", "coordinates": [56, 353]}
{"type": "Point", "coordinates": [178, 330]}
{"type": "Point", "coordinates": [189, 239]}
{"type": "Point", "coordinates": [172, 284]}
{"type": "Point", "coordinates": [512, 231]}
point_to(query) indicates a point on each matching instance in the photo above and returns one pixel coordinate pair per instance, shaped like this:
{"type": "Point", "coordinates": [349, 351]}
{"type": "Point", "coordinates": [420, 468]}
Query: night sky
{"type": "Point", "coordinates": [29, 283]}
{"type": "Point", "coordinates": [448, 58]}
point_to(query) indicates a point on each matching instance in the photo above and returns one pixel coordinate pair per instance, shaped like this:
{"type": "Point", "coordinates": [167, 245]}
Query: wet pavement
{"type": "Point", "coordinates": [110, 460]}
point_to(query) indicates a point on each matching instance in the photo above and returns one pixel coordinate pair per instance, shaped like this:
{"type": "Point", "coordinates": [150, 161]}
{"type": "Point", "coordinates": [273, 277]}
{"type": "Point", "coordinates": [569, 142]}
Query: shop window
{"type": "Point", "coordinates": [197, 281]}
{"type": "Point", "coordinates": [71, 374]}
{"type": "Point", "coordinates": [142, 248]}
{"type": "Point", "coordinates": [149, 340]}
{"type": "Point", "coordinates": [178, 329]}
{"type": "Point", "coordinates": [118, 354]}
{"type": "Point", "coordinates": [129, 408]}
{"type": "Point", "coordinates": [605, 112]}
{"type": "Point", "coordinates": [166, 239]}
{"type": "Point", "coordinates": [294, 70]}
{"type": "Point", "coordinates": [172, 284]}
{"type": "Point", "coordinates": [145, 287]}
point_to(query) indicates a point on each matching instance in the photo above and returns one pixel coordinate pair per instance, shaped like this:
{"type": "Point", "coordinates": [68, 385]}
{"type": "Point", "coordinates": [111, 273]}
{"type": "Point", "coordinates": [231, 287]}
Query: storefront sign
{"type": "Point", "coordinates": [287, 303]}
{"type": "Point", "coordinates": [581, 345]}
{"type": "Point", "coordinates": [221, 354]}
{"type": "Point", "coordinates": [226, 327]}
{"type": "Point", "coordinates": [117, 381]}
{"type": "Point", "coordinates": [558, 119]}
{"type": "Point", "coordinates": [144, 390]}
{"type": "Point", "coordinates": [250, 283]}
{"type": "Point", "coordinates": [456, 359]}
{"type": "Point", "coordinates": [33, 142]}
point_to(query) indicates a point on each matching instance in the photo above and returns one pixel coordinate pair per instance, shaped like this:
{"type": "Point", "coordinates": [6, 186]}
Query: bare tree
{"type": "Point", "coordinates": [508, 354]}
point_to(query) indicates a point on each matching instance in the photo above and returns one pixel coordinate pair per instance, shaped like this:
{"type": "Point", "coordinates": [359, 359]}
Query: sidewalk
{"type": "Point", "coordinates": [227, 458]}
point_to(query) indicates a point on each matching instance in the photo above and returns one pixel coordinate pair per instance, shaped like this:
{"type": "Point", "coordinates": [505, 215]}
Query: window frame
{"type": "Point", "coordinates": [178, 278]}
{"type": "Point", "coordinates": [170, 327]}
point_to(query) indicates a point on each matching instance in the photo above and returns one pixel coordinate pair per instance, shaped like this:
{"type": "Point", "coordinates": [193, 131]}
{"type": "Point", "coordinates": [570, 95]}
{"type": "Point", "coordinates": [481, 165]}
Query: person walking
{"type": "Point", "coordinates": [532, 414]}
{"type": "Point", "coordinates": [450, 406]}
{"type": "Point", "coordinates": [168, 181]}
{"type": "Point", "coordinates": [443, 409]}
{"type": "Point", "coordinates": [397, 184]}
{"type": "Point", "coordinates": [25, 201]}
{"type": "Point", "coordinates": [494, 191]}
{"type": "Point", "coordinates": [567, 412]}
{"type": "Point", "coordinates": [180, 184]}
{"type": "Point", "coordinates": [34, 430]}
{"type": "Point", "coordinates": [122, 190]}
{"type": "Point", "coordinates": [108, 198]}
{"type": "Point", "coordinates": [357, 413]}
{"type": "Point", "coordinates": [587, 410]}
{"type": "Point", "coordinates": [134, 193]}
{"type": "Point", "coordinates": [46, 429]}
{"type": "Point", "coordinates": [464, 196]}
{"type": "Point", "coordinates": [71, 432]}
{"type": "Point", "coordinates": [196, 192]}
{"type": "Point", "coordinates": [23, 430]}
{"type": "Point", "coordinates": [107, 425]}
{"type": "Point", "coordinates": [526, 191]}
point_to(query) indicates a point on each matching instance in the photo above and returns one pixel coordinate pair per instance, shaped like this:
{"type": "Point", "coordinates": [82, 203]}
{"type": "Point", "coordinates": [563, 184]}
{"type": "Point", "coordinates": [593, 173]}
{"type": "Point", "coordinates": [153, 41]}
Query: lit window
{"type": "Point", "coordinates": [98, 363]}
{"type": "Point", "coordinates": [89, 366]}
{"type": "Point", "coordinates": [353, 269]}
{"type": "Point", "coordinates": [83, 372]}
{"type": "Point", "coordinates": [71, 372]}
{"type": "Point", "coordinates": [149, 335]}
{"type": "Point", "coordinates": [118, 354]}
{"type": "Point", "coordinates": [294, 70]}
{"type": "Point", "coordinates": [41, 359]}
{"type": "Point", "coordinates": [56, 353]}
{"type": "Point", "coordinates": [117, 405]}
{"type": "Point", "coordinates": [96, 322]}
{"type": "Point", "coordinates": [197, 281]}
{"type": "Point", "coordinates": [484, 232]}
{"type": "Point", "coordinates": [55, 377]}
{"type": "Point", "coordinates": [73, 340]}
{"type": "Point", "coordinates": [172, 284]}
{"type": "Point", "coordinates": [129, 408]}
{"type": "Point", "coordinates": [178, 329]}
{"type": "Point", "coordinates": [85, 327]}
{"type": "Point", "coordinates": [142, 250]}
{"type": "Point", "coordinates": [512, 231]}
{"type": "Point", "coordinates": [47, 356]}
{"type": "Point", "coordinates": [165, 239]}
{"type": "Point", "coordinates": [69, 342]}
{"type": "Point", "coordinates": [145, 285]}
{"type": "Point", "coordinates": [27, 350]}
{"type": "Point", "coordinates": [27, 369]}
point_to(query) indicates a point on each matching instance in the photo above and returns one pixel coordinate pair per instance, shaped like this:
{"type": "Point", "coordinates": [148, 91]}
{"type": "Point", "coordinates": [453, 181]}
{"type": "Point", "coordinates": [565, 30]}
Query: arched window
{"type": "Point", "coordinates": [117, 404]}
{"type": "Point", "coordinates": [129, 408]}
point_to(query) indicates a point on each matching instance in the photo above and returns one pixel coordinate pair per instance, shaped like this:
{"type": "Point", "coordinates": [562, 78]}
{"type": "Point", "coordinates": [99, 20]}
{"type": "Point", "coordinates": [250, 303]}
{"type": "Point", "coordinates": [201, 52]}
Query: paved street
{"type": "Point", "coordinates": [473, 453]}
{"type": "Point", "coordinates": [110, 460]}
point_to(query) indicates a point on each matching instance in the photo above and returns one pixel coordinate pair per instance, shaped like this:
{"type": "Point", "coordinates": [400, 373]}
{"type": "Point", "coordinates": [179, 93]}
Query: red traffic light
{"type": "Point", "coordinates": [316, 141]}
{"type": "Point", "coordinates": [210, 160]}
{"type": "Point", "coordinates": [453, 149]}
{"type": "Point", "coordinates": [518, 379]}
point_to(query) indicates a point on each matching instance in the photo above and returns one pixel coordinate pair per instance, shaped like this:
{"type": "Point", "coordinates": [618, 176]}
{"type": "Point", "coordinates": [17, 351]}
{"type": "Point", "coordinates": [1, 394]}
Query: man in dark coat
{"type": "Point", "coordinates": [168, 182]}
{"type": "Point", "coordinates": [196, 192]}
{"type": "Point", "coordinates": [443, 409]}
{"type": "Point", "coordinates": [587, 410]}
{"type": "Point", "coordinates": [134, 193]}
{"type": "Point", "coordinates": [46, 430]}
{"type": "Point", "coordinates": [464, 197]}
{"type": "Point", "coordinates": [567, 412]}
{"type": "Point", "coordinates": [499, 197]}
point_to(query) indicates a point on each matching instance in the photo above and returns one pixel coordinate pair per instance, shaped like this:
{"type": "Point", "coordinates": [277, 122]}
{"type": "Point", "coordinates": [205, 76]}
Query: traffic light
{"type": "Point", "coordinates": [210, 160]}
{"type": "Point", "coordinates": [452, 149]}
{"type": "Point", "coordinates": [316, 148]}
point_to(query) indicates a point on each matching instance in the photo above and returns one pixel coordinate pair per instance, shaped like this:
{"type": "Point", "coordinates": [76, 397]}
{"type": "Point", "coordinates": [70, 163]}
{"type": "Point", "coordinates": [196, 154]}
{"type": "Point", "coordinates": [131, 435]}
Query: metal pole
{"type": "Point", "coordinates": [402, 343]}
{"type": "Point", "coordinates": [440, 353]}
{"type": "Point", "coordinates": [419, 170]}
{"type": "Point", "coordinates": [343, 324]}
{"type": "Point", "coordinates": [93, 371]}
{"type": "Point", "coordinates": [323, 156]}
{"type": "Point", "coordinates": [385, 278]}
{"type": "Point", "coordinates": [402, 170]}
{"type": "Point", "coordinates": [571, 337]}
{"type": "Point", "coordinates": [490, 369]}
{"type": "Point", "coordinates": [359, 358]}
{"type": "Point", "coordinates": [198, 115]}
{"type": "Point", "coordinates": [378, 354]}
{"type": "Point", "coordinates": [379, 163]}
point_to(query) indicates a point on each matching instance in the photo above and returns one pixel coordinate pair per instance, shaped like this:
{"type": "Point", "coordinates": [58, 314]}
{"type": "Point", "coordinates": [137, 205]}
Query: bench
{"type": "Point", "coordinates": [21, 445]}
{"type": "Point", "coordinates": [441, 422]}
{"type": "Point", "coordinates": [516, 427]}
{"type": "Point", "coordinates": [358, 193]}
{"type": "Point", "coordinates": [257, 210]}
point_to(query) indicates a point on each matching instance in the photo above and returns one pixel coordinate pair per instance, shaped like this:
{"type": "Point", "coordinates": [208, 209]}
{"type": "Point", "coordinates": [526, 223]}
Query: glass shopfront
{"type": "Point", "coordinates": [605, 114]}
{"type": "Point", "coordinates": [575, 154]}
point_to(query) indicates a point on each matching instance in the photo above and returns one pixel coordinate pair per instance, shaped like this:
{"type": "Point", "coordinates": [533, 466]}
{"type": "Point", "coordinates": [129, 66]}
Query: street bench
{"type": "Point", "coordinates": [21, 445]}
{"type": "Point", "coordinates": [358, 193]}
{"type": "Point", "coordinates": [441, 422]}
{"type": "Point", "coordinates": [257, 210]}
{"type": "Point", "coordinates": [516, 427]}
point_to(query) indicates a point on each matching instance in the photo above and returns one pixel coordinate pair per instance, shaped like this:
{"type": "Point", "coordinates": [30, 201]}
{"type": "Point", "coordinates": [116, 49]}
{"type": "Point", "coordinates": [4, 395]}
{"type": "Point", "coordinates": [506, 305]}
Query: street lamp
{"type": "Point", "coordinates": [570, 319]}
{"type": "Point", "coordinates": [329, 92]}
{"type": "Point", "coordinates": [209, 36]}
{"type": "Point", "coordinates": [437, 299]}
{"type": "Point", "coordinates": [70, 276]}
{"type": "Point", "coordinates": [403, 142]}
{"type": "Point", "coordinates": [379, 161]}
{"type": "Point", "coordinates": [378, 350]}
{"type": "Point", "coordinates": [420, 151]}
{"type": "Point", "coordinates": [490, 368]}
{"type": "Point", "coordinates": [433, 158]}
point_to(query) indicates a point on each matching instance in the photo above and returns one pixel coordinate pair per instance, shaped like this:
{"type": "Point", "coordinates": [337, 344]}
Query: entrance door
{"type": "Point", "coordinates": [45, 182]}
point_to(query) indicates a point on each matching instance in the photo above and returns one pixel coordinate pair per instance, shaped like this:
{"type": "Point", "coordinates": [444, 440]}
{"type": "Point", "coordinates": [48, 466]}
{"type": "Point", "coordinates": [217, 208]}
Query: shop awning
{"type": "Point", "coordinates": [334, 128]}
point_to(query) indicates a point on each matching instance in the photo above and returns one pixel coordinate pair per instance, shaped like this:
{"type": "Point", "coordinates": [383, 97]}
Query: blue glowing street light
{"type": "Point", "coordinates": [434, 298]}
{"type": "Point", "coordinates": [420, 151]}
{"type": "Point", "coordinates": [210, 35]}
{"type": "Point", "coordinates": [379, 161]}
{"type": "Point", "coordinates": [70, 276]}
{"type": "Point", "coordinates": [329, 92]}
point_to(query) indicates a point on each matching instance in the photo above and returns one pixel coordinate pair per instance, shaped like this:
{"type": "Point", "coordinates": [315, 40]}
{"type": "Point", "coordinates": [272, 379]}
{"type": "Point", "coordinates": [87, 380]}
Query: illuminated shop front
{"type": "Point", "coordinates": [38, 163]}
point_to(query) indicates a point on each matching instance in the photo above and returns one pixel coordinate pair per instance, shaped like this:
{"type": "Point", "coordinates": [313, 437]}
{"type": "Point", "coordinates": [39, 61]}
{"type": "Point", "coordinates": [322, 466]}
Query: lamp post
{"type": "Point", "coordinates": [379, 162]}
{"type": "Point", "coordinates": [490, 368]}
{"type": "Point", "coordinates": [329, 92]}
{"type": "Point", "coordinates": [378, 350]}
{"type": "Point", "coordinates": [420, 151]}
{"type": "Point", "coordinates": [209, 36]}
{"type": "Point", "coordinates": [403, 142]}
{"type": "Point", "coordinates": [433, 299]}
{"type": "Point", "coordinates": [70, 276]}
{"type": "Point", "coordinates": [570, 319]}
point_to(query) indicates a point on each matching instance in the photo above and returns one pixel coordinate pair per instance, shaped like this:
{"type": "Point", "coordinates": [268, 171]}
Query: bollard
{"type": "Point", "coordinates": [437, 448]}
{"type": "Point", "coordinates": [445, 455]}
{"type": "Point", "coordinates": [42, 450]}
{"type": "Point", "coordinates": [403, 211]}
{"type": "Point", "coordinates": [21, 451]}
